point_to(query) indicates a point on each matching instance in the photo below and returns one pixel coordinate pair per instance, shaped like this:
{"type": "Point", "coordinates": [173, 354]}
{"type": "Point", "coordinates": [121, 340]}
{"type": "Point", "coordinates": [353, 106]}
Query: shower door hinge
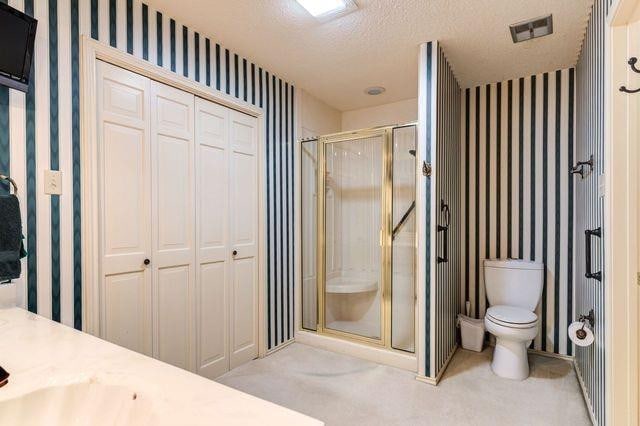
{"type": "Point", "coordinates": [426, 169]}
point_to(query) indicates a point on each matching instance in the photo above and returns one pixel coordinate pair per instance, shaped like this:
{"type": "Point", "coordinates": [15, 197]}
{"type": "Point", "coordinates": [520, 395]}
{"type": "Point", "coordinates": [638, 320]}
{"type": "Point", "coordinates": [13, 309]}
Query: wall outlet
{"type": "Point", "coordinates": [53, 182]}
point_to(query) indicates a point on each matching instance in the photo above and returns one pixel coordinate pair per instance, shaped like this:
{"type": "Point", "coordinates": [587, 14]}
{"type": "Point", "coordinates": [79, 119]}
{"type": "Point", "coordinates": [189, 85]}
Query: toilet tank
{"type": "Point", "coordinates": [513, 282]}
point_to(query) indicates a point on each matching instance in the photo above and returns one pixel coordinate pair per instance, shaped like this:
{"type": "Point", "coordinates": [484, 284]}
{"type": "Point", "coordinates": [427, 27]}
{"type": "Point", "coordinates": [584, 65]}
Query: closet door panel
{"type": "Point", "coordinates": [243, 185]}
{"type": "Point", "coordinates": [125, 211]}
{"type": "Point", "coordinates": [174, 226]}
{"type": "Point", "coordinates": [244, 315]}
{"type": "Point", "coordinates": [174, 112]}
{"type": "Point", "coordinates": [173, 319]}
{"type": "Point", "coordinates": [125, 323]}
{"type": "Point", "coordinates": [125, 233]}
{"type": "Point", "coordinates": [212, 140]}
{"type": "Point", "coordinates": [213, 352]}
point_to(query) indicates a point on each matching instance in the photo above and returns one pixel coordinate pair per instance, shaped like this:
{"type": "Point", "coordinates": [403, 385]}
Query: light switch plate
{"type": "Point", "coordinates": [601, 185]}
{"type": "Point", "coordinates": [53, 182]}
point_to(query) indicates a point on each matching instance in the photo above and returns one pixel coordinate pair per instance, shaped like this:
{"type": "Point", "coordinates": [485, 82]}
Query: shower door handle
{"type": "Point", "coordinates": [588, 233]}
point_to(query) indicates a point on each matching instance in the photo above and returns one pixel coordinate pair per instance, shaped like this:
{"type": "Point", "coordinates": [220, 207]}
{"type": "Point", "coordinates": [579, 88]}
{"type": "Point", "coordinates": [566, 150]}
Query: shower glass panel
{"type": "Point", "coordinates": [309, 202]}
{"type": "Point", "coordinates": [403, 239]}
{"type": "Point", "coordinates": [354, 236]}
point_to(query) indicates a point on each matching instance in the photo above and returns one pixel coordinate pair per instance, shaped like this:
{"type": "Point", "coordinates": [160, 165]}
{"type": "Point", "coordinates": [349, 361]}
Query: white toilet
{"type": "Point", "coordinates": [513, 289]}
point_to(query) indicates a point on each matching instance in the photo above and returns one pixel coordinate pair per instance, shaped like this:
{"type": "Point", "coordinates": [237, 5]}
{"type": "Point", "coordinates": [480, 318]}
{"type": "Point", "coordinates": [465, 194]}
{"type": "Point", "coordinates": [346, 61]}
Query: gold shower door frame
{"type": "Point", "coordinates": [385, 237]}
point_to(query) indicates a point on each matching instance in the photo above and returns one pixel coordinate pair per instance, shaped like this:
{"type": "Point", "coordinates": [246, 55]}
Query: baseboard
{"type": "Point", "coordinates": [435, 380]}
{"type": "Point", "coordinates": [585, 397]}
{"type": "Point", "coordinates": [379, 355]}
{"type": "Point", "coordinates": [277, 348]}
{"type": "Point", "coordinates": [425, 379]}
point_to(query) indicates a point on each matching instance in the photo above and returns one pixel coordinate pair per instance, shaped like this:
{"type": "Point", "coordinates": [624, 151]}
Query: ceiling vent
{"type": "Point", "coordinates": [375, 90]}
{"type": "Point", "coordinates": [533, 28]}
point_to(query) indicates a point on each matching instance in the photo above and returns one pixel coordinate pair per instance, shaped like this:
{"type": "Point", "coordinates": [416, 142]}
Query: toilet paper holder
{"type": "Point", "coordinates": [581, 334]}
{"type": "Point", "coordinates": [587, 318]}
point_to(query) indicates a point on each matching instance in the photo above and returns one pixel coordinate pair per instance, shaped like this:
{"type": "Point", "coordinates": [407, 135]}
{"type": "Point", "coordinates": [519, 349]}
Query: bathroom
{"type": "Point", "coordinates": [377, 212]}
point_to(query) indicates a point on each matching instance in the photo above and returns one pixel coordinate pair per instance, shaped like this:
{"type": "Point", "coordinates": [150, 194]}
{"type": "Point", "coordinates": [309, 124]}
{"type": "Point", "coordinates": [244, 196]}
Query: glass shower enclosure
{"type": "Point", "coordinates": [358, 236]}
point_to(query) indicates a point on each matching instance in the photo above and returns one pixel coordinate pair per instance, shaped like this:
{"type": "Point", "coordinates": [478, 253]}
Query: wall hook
{"type": "Point", "coordinates": [426, 169]}
{"type": "Point", "coordinates": [625, 90]}
{"type": "Point", "coordinates": [579, 167]}
{"type": "Point", "coordinates": [632, 63]}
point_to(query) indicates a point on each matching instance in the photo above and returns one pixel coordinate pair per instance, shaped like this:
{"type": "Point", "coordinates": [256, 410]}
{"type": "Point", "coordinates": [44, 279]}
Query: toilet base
{"type": "Point", "coordinates": [510, 359]}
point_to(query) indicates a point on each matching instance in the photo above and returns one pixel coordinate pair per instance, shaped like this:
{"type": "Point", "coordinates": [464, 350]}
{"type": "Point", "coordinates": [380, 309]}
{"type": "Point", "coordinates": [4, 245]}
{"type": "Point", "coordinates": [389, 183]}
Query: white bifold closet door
{"type": "Point", "coordinates": [124, 142]}
{"type": "Point", "coordinates": [179, 224]}
{"type": "Point", "coordinates": [173, 230]}
{"type": "Point", "coordinates": [227, 255]}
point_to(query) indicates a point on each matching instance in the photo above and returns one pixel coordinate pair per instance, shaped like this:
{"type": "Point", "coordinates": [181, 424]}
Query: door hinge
{"type": "Point", "coordinates": [638, 278]}
{"type": "Point", "coordinates": [426, 169]}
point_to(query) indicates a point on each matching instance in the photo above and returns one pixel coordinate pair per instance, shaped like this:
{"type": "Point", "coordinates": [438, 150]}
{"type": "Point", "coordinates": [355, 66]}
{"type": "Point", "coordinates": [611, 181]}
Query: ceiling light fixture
{"type": "Point", "coordinates": [533, 28]}
{"type": "Point", "coordinates": [375, 90]}
{"type": "Point", "coordinates": [327, 9]}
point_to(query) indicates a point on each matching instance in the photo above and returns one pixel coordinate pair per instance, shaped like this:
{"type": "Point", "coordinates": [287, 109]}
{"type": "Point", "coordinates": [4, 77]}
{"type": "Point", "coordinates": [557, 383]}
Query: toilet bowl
{"type": "Point", "coordinates": [513, 289]}
{"type": "Point", "coordinates": [514, 329]}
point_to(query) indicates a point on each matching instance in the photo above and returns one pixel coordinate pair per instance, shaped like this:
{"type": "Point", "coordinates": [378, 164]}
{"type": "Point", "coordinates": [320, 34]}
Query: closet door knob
{"type": "Point", "coordinates": [147, 261]}
{"type": "Point", "coordinates": [235, 252]}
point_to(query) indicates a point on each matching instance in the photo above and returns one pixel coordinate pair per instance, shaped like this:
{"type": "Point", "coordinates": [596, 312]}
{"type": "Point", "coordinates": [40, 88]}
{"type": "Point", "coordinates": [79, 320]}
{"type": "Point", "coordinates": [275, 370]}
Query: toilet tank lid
{"type": "Point", "coordinates": [514, 264]}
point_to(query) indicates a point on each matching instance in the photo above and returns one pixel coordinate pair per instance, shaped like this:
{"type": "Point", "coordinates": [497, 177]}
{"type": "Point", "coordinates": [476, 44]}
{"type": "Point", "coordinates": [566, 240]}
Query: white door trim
{"type": "Point", "coordinates": [622, 217]}
{"type": "Point", "coordinates": [91, 52]}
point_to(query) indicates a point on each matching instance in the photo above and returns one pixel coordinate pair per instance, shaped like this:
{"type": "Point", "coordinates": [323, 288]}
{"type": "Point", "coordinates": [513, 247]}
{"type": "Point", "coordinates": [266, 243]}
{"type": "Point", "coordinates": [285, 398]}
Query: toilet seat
{"type": "Point", "coordinates": [511, 317]}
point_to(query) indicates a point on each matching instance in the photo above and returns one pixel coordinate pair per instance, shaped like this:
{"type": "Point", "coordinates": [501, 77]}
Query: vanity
{"type": "Point", "coordinates": [62, 376]}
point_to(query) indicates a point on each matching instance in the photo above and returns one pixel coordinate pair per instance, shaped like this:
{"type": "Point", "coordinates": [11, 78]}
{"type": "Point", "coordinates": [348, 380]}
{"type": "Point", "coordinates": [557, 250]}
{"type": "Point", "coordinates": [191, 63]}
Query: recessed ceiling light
{"type": "Point", "coordinates": [375, 90]}
{"type": "Point", "coordinates": [533, 28]}
{"type": "Point", "coordinates": [325, 9]}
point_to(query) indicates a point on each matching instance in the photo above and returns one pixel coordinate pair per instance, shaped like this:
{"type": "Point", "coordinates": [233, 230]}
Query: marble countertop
{"type": "Point", "coordinates": [42, 354]}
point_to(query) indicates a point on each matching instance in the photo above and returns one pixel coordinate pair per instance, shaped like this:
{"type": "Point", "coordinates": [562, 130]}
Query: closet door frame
{"type": "Point", "coordinates": [91, 52]}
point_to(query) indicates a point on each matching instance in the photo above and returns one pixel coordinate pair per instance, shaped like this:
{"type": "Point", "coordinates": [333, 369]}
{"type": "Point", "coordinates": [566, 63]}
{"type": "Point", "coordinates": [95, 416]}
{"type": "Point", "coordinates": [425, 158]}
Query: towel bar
{"type": "Point", "coordinates": [12, 182]}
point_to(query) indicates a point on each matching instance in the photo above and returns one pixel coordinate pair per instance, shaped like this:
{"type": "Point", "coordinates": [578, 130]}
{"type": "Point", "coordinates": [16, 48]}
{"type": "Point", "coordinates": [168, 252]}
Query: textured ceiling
{"type": "Point", "coordinates": [377, 45]}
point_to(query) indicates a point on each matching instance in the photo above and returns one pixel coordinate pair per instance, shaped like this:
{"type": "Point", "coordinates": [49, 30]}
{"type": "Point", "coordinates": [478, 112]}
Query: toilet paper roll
{"type": "Point", "coordinates": [573, 334]}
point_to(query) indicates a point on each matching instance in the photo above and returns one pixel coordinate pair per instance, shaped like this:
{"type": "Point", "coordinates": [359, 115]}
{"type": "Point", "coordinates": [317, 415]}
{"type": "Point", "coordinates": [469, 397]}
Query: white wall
{"type": "Point", "coordinates": [400, 112]}
{"type": "Point", "coordinates": [315, 117]}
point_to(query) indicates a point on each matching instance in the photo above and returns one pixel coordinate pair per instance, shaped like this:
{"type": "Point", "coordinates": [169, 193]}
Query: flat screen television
{"type": "Point", "coordinates": [17, 35]}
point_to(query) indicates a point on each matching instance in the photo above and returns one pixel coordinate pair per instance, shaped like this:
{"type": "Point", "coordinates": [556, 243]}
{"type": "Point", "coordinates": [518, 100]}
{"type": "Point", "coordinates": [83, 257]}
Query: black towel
{"type": "Point", "coordinates": [11, 249]}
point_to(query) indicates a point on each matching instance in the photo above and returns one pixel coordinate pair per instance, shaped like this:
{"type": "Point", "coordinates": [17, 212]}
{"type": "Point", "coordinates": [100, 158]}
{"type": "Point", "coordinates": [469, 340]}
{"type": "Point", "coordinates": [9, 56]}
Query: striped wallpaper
{"type": "Point", "coordinates": [41, 130]}
{"type": "Point", "coordinates": [518, 142]}
{"type": "Point", "coordinates": [440, 143]}
{"type": "Point", "coordinates": [426, 140]}
{"type": "Point", "coordinates": [589, 293]}
{"type": "Point", "coordinates": [447, 183]}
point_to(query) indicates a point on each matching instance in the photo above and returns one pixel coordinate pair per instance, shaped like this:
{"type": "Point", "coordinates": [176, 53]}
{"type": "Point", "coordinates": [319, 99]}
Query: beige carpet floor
{"type": "Point", "coordinates": [341, 390]}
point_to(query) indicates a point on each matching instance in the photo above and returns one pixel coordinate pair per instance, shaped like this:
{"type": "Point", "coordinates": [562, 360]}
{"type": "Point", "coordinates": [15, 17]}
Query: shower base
{"type": "Point", "coordinates": [348, 285]}
{"type": "Point", "coordinates": [380, 355]}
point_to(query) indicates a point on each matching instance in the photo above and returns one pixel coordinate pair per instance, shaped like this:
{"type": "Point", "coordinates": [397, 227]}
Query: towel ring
{"type": "Point", "coordinates": [12, 182]}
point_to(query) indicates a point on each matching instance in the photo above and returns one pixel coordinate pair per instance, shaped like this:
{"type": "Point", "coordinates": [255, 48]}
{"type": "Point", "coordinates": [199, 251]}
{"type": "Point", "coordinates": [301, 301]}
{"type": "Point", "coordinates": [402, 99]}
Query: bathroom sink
{"type": "Point", "coordinates": [86, 403]}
